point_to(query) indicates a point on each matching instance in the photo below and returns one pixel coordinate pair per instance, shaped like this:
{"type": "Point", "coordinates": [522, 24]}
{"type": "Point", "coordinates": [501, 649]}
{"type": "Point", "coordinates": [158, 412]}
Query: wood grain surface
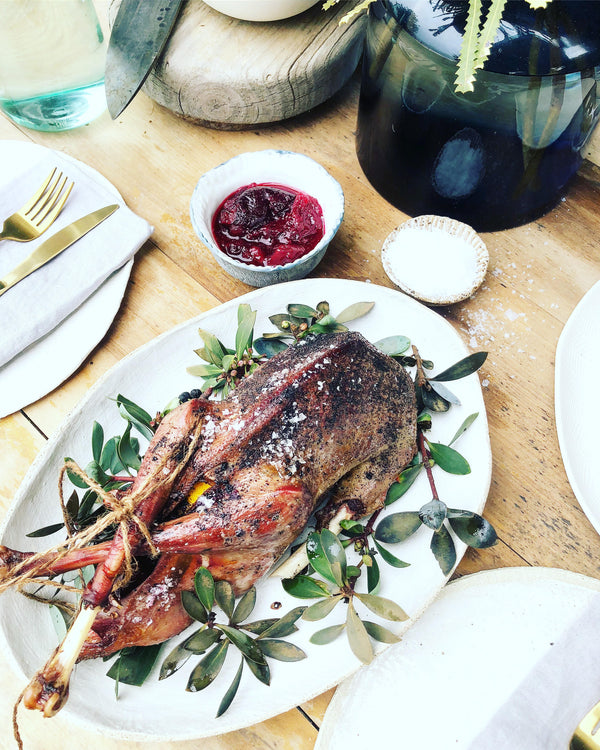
{"type": "Point", "coordinates": [537, 275]}
{"type": "Point", "coordinates": [231, 74]}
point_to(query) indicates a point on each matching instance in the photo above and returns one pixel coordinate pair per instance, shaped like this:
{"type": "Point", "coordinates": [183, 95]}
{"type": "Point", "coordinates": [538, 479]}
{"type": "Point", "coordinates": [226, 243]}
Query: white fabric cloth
{"type": "Point", "coordinates": [36, 305]}
{"type": "Point", "coordinates": [545, 708]}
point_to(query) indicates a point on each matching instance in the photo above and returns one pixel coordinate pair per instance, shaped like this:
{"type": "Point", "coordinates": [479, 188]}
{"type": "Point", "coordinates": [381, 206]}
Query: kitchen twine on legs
{"type": "Point", "coordinates": [122, 512]}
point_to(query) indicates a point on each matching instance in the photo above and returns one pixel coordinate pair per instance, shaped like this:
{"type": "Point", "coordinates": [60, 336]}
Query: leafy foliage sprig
{"type": "Point", "coordinates": [115, 462]}
{"type": "Point", "coordinates": [254, 640]}
{"type": "Point", "coordinates": [471, 528]}
{"type": "Point", "coordinates": [327, 557]}
{"type": "Point", "coordinates": [300, 321]}
{"type": "Point", "coordinates": [225, 367]}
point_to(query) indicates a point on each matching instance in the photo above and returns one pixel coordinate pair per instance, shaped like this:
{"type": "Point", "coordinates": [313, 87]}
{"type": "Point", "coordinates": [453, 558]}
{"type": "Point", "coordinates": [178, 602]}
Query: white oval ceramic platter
{"type": "Point", "coordinates": [578, 415]}
{"type": "Point", "coordinates": [49, 361]}
{"type": "Point", "coordinates": [453, 674]}
{"type": "Point", "coordinates": [152, 376]}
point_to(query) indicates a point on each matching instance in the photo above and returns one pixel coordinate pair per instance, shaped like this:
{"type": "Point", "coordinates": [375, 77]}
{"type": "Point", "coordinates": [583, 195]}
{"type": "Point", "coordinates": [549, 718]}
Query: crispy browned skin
{"type": "Point", "coordinates": [332, 414]}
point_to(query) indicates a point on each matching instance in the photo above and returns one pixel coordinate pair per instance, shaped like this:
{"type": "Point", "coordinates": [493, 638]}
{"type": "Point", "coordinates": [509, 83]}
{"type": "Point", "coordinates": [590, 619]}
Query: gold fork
{"type": "Point", "coordinates": [32, 220]}
{"type": "Point", "coordinates": [585, 736]}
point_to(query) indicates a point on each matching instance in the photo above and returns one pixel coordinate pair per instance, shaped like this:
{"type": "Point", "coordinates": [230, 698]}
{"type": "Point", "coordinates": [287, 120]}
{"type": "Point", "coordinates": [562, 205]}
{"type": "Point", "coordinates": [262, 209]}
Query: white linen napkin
{"type": "Point", "coordinates": [545, 708]}
{"type": "Point", "coordinates": [36, 305]}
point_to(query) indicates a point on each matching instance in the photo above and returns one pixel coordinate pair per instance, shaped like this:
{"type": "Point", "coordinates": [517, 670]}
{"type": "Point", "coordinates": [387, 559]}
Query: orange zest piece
{"type": "Point", "coordinates": [198, 490]}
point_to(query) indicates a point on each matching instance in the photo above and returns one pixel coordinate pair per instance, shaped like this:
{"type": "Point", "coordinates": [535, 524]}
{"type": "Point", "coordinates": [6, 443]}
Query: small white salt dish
{"type": "Point", "coordinates": [284, 168]}
{"type": "Point", "coordinates": [435, 259]}
{"type": "Point", "coordinates": [261, 10]}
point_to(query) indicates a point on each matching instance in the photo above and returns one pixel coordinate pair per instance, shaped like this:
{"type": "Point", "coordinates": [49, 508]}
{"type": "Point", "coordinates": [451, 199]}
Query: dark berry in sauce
{"type": "Point", "coordinates": [267, 224]}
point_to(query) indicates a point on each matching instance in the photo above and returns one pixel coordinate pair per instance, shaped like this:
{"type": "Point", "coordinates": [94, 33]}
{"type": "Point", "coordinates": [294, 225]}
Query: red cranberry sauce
{"type": "Point", "coordinates": [267, 224]}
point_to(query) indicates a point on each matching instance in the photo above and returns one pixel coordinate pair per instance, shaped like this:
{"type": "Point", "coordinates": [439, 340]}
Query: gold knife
{"type": "Point", "coordinates": [55, 245]}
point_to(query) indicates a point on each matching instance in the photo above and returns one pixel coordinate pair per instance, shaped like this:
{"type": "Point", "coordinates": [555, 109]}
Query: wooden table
{"type": "Point", "coordinates": [537, 274]}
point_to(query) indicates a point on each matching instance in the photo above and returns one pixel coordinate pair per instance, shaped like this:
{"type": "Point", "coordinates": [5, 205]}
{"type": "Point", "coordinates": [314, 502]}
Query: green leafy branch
{"type": "Point", "coordinates": [300, 321]}
{"type": "Point", "coordinates": [328, 559]}
{"type": "Point", "coordinates": [470, 527]}
{"type": "Point", "coordinates": [255, 641]}
{"type": "Point", "coordinates": [114, 464]}
{"type": "Point", "coordinates": [225, 367]}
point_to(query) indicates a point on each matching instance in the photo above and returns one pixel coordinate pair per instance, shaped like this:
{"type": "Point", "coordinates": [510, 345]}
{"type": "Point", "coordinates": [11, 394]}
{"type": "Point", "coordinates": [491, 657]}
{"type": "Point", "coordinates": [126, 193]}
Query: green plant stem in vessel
{"type": "Point", "coordinates": [501, 154]}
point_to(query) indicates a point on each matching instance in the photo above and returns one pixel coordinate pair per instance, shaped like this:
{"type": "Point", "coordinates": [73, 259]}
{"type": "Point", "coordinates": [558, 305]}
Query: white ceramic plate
{"type": "Point", "coordinates": [47, 363]}
{"type": "Point", "coordinates": [151, 376]}
{"type": "Point", "coordinates": [578, 415]}
{"type": "Point", "coordinates": [443, 684]}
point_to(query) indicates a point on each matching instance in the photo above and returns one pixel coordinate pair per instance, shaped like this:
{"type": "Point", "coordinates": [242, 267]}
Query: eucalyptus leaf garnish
{"type": "Point", "coordinates": [327, 635]}
{"type": "Point", "coordinates": [302, 320]}
{"type": "Point", "coordinates": [469, 527]}
{"type": "Point", "coordinates": [133, 665]}
{"type": "Point", "coordinates": [328, 558]}
{"type": "Point", "coordinates": [393, 346]}
{"type": "Point", "coordinates": [226, 367]}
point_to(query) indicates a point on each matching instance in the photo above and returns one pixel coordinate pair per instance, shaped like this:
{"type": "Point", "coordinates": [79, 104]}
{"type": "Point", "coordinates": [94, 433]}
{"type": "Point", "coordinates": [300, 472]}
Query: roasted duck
{"type": "Point", "coordinates": [230, 484]}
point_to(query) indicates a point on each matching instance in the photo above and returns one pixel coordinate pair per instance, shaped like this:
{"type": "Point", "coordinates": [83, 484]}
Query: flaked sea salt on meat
{"type": "Point", "coordinates": [161, 592]}
{"type": "Point", "coordinates": [237, 425]}
{"type": "Point", "coordinates": [208, 432]}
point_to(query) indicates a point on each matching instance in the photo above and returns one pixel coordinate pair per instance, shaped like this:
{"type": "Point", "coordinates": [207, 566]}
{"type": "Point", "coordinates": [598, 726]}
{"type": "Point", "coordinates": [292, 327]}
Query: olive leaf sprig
{"type": "Point", "coordinates": [300, 321]}
{"type": "Point", "coordinates": [114, 464]}
{"type": "Point", "coordinates": [254, 640]}
{"type": "Point", "coordinates": [470, 527]}
{"type": "Point", "coordinates": [225, 367]}
{"type": "Point", "coordinates": [327, 558]}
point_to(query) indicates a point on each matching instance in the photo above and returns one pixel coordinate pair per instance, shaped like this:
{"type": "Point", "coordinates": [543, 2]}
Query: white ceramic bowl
{"type": "Point", "coordinates": [261, 10]}
{"type": "Point", "coordinates": [280, 167]}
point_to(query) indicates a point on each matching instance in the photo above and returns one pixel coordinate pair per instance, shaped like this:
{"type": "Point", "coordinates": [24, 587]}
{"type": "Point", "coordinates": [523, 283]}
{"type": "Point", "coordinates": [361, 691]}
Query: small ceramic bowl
{"type": "Point", "coordinates": [280, 167]}
{"type": "Point", "coordinates": [435, 259]}
{"type": "Point", "coordinates": [261, 10]}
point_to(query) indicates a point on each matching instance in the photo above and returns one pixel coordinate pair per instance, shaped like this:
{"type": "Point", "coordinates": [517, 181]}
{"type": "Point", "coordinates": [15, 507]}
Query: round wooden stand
{"type": "Point", "coordinates": [232, 74]}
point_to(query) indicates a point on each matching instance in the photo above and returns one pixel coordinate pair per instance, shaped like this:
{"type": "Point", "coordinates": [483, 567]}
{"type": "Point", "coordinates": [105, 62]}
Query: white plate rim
{"type": "Point", "coordinates": [569, 371]}
{"type": "Point", "coordinates": [303, 290]}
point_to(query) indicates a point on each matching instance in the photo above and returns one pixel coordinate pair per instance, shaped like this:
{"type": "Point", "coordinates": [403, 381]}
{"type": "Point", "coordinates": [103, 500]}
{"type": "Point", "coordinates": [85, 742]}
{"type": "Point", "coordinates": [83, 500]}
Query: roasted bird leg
{"type": "Point", "coordinates": [151, 613]}
{"type": "Point", "coordinates": [49, 688]}
{"type": "Point", "coordinates": [359, 493]}
{"type": "Point", "coordinates": [157, 475]}
{"type": "Point", "coordinates": [226, 516]}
